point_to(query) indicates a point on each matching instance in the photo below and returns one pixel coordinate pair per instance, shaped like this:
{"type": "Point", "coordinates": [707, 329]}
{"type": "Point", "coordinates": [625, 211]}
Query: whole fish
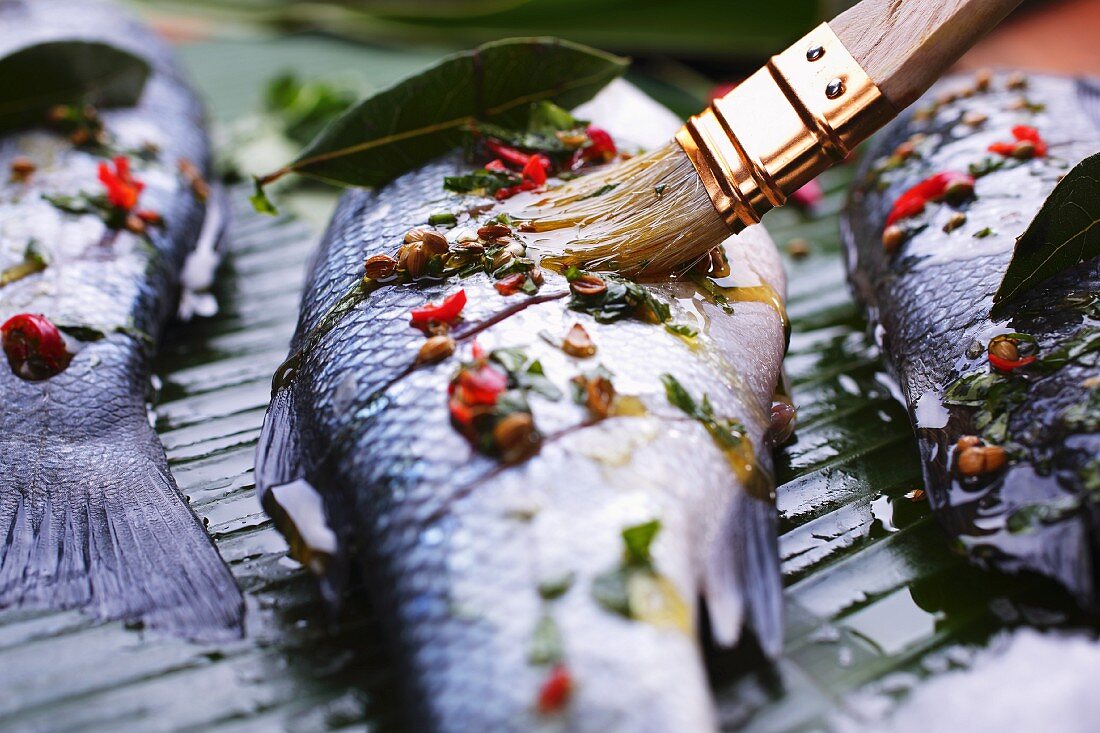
{"type": "Point", "coordinates": [537, 514]}
{"type": "Point", "coordinates": [1006, 410]}
{"type": "Point", "coordinates": [100, 211]}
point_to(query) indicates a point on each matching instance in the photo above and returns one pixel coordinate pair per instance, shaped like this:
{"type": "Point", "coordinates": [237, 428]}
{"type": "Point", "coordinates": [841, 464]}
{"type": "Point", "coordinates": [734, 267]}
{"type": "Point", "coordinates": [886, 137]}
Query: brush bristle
{"type": "Point", "coordinates": [649, 215]}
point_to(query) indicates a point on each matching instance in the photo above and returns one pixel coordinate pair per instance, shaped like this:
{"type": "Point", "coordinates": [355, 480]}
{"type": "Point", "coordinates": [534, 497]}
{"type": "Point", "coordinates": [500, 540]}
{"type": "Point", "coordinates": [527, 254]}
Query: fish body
{"type": "Point", "coordinates": [90, 515]}
{"type": "Point", "coordinates": [929, 303]}
{"type": "Point", "coordinates": [496, 580]}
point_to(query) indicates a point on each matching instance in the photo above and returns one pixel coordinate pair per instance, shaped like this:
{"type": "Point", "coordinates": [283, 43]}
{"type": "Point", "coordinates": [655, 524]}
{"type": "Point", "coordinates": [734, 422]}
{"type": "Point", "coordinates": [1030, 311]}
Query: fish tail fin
{"type": "Point", "coordinates": [100, 525]}
{"type": "Point", "coordinates": [296, 507]}
{"type": "Point", "coordinates": [742, 584]}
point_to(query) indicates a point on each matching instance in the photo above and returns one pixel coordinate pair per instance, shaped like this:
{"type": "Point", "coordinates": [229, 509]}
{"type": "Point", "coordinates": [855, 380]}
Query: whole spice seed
{"type": "Point", "coordinates": [191, 173]}
{"type": "Point", "coordinates": [514, 436]}
{"type": "Point", "coordinates": [599, 395]}
{"type": "Point", "coordinates": [588, 285]}
{"type": "Point", "coordinates": [982, 79]}
{"type": "Point", "coordinates": [135, 224]}
{"type": "Point", "coordinates": [957, 220]}
{"type": "Point", "coordinates": [578, 343]}
{"type": "Point", "coordinates": [435, 243]}
{"type": "Point", "coordinates": [892, 238]}
{"type": "Point", "coordinates": [413, 258]}
{"type": "Point", "coordinates": [967, 441]}
{"type": "Point", "coordinates": [973, 119]}
{"type": "Point", "coordinates": [1011, 351]}
{"type": "Point", "coordinates": [435, 349]}
{"type": "Point", "coordinates": [981, 459]}
{"type": "Point", "coordinates": [22, 168]}
{"type": "Point", "coordinates": [491, 232]}
{"type": "Point", "coordinates": [798, 248]}
{"type": "Point", "coordinates": [380, 266]}
{"type": "Point", "coordinates": [1016, 81]}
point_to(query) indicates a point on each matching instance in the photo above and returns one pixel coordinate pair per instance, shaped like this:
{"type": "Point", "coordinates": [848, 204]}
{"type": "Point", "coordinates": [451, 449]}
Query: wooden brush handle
{"type": "Point", "coordinates": [905, 45]}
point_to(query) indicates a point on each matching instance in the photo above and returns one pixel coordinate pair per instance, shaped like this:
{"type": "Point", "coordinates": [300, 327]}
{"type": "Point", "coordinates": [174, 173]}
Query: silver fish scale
{"type": "Point", "coordinates": [453, 545]}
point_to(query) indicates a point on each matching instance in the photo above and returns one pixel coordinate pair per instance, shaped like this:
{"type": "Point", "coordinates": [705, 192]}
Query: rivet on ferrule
{"type": "Point", "coordinates": [805, 110]}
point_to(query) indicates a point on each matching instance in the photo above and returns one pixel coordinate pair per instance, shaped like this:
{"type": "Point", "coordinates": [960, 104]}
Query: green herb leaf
{"type": "Point", "coordinates": [483, 182]}
{"type": "Point", "coordinates": [546, 645]}
{"type": "Point", "coordinates": [259, 200]}
{"type": "Point", "coordinates": [681, 330]}
{"type": "Point", "coordinates": [638, 539]}
{"type": "Point", "coordinates": [413, 121]}
{"type": "Point", "coordinates": [443, 219]}
{"type": "Point", "coordinates": [41, 76]}
{"type": "Point", "coordinates": [1064, 233]}
{"type": "Point", "coordinates": [726, 432]}
{"type": "Point", "coordinates": [556, 586]}
{"type": "Point", "coordinates": [611, 591]}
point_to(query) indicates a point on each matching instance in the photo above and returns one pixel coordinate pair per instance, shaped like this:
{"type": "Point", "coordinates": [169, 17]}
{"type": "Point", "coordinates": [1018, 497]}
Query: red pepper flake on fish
{"type": "Point", "coordinates": [944, 185]}
{"type": "Point", "coordinates": [34, 346]}
{"type": "Point", "coordinates": [446, 312]}
{"type": "Point", "coordinates": [556, 690]}
{"type": "Point", "coordinates": [123, 190]}
{"type": "Point", "coordinates": [1029, 144]}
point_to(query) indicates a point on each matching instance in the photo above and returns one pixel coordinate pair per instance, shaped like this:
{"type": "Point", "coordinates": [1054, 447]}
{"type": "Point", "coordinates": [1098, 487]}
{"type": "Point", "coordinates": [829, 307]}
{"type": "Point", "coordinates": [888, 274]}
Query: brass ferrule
{"type": "Point", "coordinates": [781, 127]}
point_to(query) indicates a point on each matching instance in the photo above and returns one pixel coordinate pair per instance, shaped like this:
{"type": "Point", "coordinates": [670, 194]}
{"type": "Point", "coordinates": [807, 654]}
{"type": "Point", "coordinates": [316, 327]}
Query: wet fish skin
{"type": "Point", "coordinates": [930, 302]}
{"type": "Point", "coordinates": [454, 546]}
{"type": "Point", "coordinates": [90, 515]}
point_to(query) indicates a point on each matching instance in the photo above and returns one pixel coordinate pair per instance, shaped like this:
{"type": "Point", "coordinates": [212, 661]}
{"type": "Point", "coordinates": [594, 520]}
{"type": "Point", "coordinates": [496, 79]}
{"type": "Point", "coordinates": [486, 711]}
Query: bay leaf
{"type": "Point", "coordinates": [1064, 233]}
{"type": "Point", "coordinates": [40, 76]}
{"type": "Point", "coordinates": [424, 115]}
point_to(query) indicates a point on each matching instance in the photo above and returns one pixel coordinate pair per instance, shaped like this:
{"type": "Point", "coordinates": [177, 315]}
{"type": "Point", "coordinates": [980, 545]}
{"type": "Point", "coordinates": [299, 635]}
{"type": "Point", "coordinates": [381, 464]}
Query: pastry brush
{"type": "Point", "coordinates": [804, 111]}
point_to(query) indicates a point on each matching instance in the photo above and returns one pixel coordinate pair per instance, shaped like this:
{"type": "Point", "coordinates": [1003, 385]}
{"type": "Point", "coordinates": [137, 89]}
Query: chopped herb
{"type": "Point", "coordinates": [259, 200]}
{"type": "Point", "coordinates": [607, 187]}
{"type": "Point", "coordinates": [557, 586]}
{"type": "Point", "coordinates": [638, 539]}
{"type": "Point", "coordinates": [621, 298]}
{"type": "Point", "coordinates": [546, 645]}
{"type": "Point", "coordinates": [983, 233]}
{"type": "Point", "coordinates": [482, 182]}
{"type": "Point", "coordinates": [610, 590]}
{"type": "Point", "coordinates": [660, 189]}
{"type": "Point", "coordinates": [727, 432]}
{"type": "Point", "coordinates": [444, 218]}
{"type": "Point", "coordinates": [681, 330]}
{"type": "Point", "coordinates": [33, 261]}
{"type": "Point", "coordinates": [986, 166]}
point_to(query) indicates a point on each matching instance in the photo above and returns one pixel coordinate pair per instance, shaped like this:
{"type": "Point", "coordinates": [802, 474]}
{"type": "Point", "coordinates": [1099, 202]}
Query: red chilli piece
{"type": "Point", "coordinates": [535, 169]}
{"type": "Point", "coordinates": [446, 312]}
{"type": "Point", "coordinates": [601, 147]}
{"type": "Point", "coordinates": [508, 154]}
{"type": "Point", "coordinates": [496, 165]}
{"type": "Point", "coordinates": [555, 691]}
{"type": "Point", "coordinates": [34, 347]}
{"type": "Point", "coordinates": [933, 188]}
{"type": "Point", "coordinates": [122, 188]}
{"type": "Point", "coordinates": [1006, 365]}
{"type": "Point", "coordinates": [511, 285]}
{"type": "Point", "coordinates": [1022, 133]}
